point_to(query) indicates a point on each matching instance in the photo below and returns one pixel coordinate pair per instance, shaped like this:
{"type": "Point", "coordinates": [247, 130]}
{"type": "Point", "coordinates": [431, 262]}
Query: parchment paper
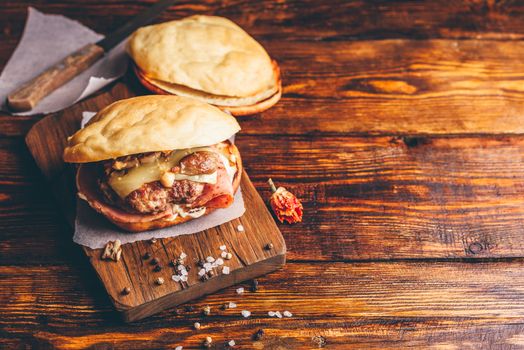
{"type": "Point", "coordinates": [46, 40]}
{"type": "Point", "coordinates": [94, 231]}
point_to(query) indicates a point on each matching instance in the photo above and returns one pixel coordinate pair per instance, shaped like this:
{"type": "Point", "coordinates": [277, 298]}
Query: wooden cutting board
{"type": "Point", "coordinates": [251, 258]}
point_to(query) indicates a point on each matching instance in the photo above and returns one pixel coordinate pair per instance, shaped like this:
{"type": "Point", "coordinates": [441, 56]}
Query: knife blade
{"type": "Point", "coordinates": [27, 96]}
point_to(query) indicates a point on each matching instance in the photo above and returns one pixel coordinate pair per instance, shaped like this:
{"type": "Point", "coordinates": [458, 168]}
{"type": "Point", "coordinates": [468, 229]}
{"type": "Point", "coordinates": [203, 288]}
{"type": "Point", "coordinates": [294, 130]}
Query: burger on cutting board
{"type": "Point", "coordinates": [156, 161]}
{"type": "Point", "coordinates": [208, 58]}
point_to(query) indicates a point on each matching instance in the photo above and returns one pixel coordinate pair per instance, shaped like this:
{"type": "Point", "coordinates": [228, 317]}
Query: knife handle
{"type": "Point", "coordinates": [28, 95]}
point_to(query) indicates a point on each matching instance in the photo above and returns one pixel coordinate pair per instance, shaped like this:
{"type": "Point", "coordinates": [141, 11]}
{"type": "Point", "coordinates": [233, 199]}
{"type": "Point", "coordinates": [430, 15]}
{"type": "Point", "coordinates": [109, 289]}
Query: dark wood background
{"type": "Point", "coordinates": [401, 129]}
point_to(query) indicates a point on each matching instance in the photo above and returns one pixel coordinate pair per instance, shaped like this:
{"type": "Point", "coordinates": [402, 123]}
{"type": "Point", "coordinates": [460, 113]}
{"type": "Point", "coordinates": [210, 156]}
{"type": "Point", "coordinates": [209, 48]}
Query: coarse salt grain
{"type": "Point", "coordinates": [223, 254]}
{"type": "Point", "coordinates": [271, 313]}
{"type": "Point", "coordinates": [181, 267]}
{"type": "Point", "coordinates": [232, 305]}
{"type": "Point", "coordinates": [240, 228]}
{"type": "Point", "coordinates": [278, 314]}
{"type": "Point", "coordinates": [210, 259]}
{"type": "Point", "coordinates": [183, 272]}
{"type": "Point", "coordinates": [183, 278]}
{"type": "Point", "coordinates": [246, 313]}
{"type": "Point", "coordinates": [225, 270]}
{"type": "Point", "coordinates": [239, 290]}
{"type": "Point", "coordinates": [229, 256]}
{"type": "Point", "coordinates": [222, 247]}
{"type": "Point", "coordinates": [179, 348]}
{"type": "Point", "coordinates": [207, 267]}
{"type": "Point", "coordinates": [219, 262]}
{"type": "Point", "coordinates": [202, 272]}
{"type": "Point", "coordinates": [288, 314]}
{"type": "Point", "coordinates": [183, 255]}
{"type": "Point", "coordinates": [231, 343]}
{"type": "Point", "coordinates": [175, 278]}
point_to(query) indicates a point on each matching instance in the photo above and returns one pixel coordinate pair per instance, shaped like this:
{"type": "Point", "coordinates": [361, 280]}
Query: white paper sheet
{"type": "Point", "coordinates": [46, 40]}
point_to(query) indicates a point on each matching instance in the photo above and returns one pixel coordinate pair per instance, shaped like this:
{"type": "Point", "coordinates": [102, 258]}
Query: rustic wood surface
{"type": "Point", "coordinates": [400, 127]}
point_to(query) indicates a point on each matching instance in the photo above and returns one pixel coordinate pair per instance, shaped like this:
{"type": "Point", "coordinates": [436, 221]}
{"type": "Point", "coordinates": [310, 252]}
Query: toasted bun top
{"type": "Point", "coordinates": [149, 124]}
{"type": "Point", "coordinates": [206, 53]}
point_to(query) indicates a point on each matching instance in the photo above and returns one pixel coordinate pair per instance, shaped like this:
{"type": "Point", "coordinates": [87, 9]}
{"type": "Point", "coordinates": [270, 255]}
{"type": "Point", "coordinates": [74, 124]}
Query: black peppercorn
{"type": "Point", "coordinates": [259, 334]}
{"type": "Point", "coordinates": [189, 308]}
{"type": "Point", "coordinates": [146, 256]}
{"type": "Point", "coordinates": [269, 246]}
{"type": "Point", "coordinates": [254, 285]}
{"type": "Point", "coordinates": [126, 291]}
{"type": "Point", "coordinates": [154, 261]}
{"type": "Point", "coordinates": [157, 268]}
{"type": "Point", "coordinates": [201, 263]}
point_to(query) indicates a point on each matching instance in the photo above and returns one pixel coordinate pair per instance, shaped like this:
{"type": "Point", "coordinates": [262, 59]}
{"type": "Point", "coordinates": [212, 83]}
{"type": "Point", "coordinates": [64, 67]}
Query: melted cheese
{"type": "Point", "coordinates": [123, 185]}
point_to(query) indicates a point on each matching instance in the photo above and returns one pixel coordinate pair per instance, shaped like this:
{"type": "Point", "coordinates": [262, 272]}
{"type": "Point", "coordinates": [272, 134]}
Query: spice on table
{"type": "Point", "coordinates": [146, 256]}
{"type": "Point", "coordinates": [269, 246]}
{"type": "Point", "coordinates": [126, 291]}
{"type": "Point", "coordinates": [159, 281]}
{"type": "Point", "coordinates": [207, 342]}
{"type": "Point", "coordinates": [254, 285]}
{"type": "Point", "coordinates": [231, 343]}
{"type": "Point", "coordinates": [240, 228]}
{"type": "Point", "coordinates": [226, 270]}
{"type": "Point", "coordinates": [246, 313]}
{"type": "Point", "coordinates": [189, 308]}
{"type": "Point", "coordinates": [157, 268]}
{"type": "Point", "coordinates": [319, 341]}
{"type": "Point", "coordinates": [179, 347]}
{"type": "Point", "coordinates": [259, 334]}
{"type": "Point", "coordinates": [112, 250]}
{"type": "Point", "coordinates": [229, 256]}
{"type": "Point", "coordinates": [152, 240]}
{"type": "Point", "coordinates": [285, 205]}
{"type": "Point", "coordinates": [206, 310]}
{"type": "Point", "coordinates": [240, 290]}
{"type": "Point", "coordinates": [196, 325]}
{"type": "Point", "coordinates": [287, 314]}
{"type": "Point", "coordinates": [154, 261]}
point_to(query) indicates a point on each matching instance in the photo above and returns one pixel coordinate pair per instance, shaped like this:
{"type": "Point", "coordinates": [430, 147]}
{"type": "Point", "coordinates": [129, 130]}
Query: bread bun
{"type": "Point", "coordinates": [208, 58]}
{"type": "Point", "coordinates": [149, 124]}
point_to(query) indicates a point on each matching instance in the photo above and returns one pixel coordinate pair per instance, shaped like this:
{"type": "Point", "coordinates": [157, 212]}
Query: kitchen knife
{"type": "Point", "coordinates": [29, 94]}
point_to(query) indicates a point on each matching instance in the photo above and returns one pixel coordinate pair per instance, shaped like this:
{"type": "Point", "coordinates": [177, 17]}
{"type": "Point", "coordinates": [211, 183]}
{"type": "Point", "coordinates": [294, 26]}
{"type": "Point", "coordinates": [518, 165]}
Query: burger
{"type": "Point", "coordinates": [208, 58]}
{"type": "Point", "coordinates": [156, 161]}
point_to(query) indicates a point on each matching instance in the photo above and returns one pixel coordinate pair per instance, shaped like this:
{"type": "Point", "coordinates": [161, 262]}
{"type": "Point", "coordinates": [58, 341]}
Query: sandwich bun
{"type": "Point", "coordinates": [149, 124]}
{"type": "Point", "coordinates": [208, 58]}
{"type": "Point", "coordinates": [152, 124]}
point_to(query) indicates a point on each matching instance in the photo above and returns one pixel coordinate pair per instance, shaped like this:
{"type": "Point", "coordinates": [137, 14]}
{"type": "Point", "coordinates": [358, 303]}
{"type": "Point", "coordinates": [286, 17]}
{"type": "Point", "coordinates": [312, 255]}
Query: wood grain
{"type": "Point", "coordinates": [352, 305]}
{"type": "Point", "coordinates": [420, 87]}
{"type": "Point", "coordinates": [455, 100]}
{"type": "Point", "coordinates": [365, 197]}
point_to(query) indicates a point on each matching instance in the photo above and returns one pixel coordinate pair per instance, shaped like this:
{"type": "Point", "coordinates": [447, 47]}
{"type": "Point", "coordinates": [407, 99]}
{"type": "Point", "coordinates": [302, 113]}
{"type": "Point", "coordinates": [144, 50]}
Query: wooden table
{"type": "Point", "coordinates": [401, 130]}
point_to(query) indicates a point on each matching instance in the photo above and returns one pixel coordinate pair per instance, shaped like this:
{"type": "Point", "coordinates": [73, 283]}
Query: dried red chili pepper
{"type": "Point", "coordinates": [285, 205]}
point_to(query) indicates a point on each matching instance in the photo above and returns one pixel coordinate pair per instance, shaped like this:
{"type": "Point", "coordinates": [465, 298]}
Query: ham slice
{"type": "Point", "coordinates": [218, 195]}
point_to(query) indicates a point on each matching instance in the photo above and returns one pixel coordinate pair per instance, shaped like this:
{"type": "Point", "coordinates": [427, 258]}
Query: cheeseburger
{"type": "Point", "coordinates": [208, 58]}
{"type": "Point", "coordinates": [155, 161]}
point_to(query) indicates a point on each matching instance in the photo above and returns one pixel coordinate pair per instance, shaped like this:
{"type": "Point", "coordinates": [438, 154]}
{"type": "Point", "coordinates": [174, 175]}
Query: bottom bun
{"type": "Point", "coordinates": [236, 110]}
{"type": "Point", "coordinates": [87, 184]}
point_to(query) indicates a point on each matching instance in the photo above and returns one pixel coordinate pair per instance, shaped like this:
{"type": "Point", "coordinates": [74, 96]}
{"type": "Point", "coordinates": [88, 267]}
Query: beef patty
{"type": "Point", "coordinates": [153, 197]}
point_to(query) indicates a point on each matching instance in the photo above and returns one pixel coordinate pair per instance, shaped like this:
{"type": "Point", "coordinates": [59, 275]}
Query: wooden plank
{"type": "Point", "coordinates": [364, 197]}
{"type": "Point", "coordinates": [420, 87]}
{"type": "Point", "coordinates": [304, 20]}
{"type": "Point", "coordinates": [361, 304]}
